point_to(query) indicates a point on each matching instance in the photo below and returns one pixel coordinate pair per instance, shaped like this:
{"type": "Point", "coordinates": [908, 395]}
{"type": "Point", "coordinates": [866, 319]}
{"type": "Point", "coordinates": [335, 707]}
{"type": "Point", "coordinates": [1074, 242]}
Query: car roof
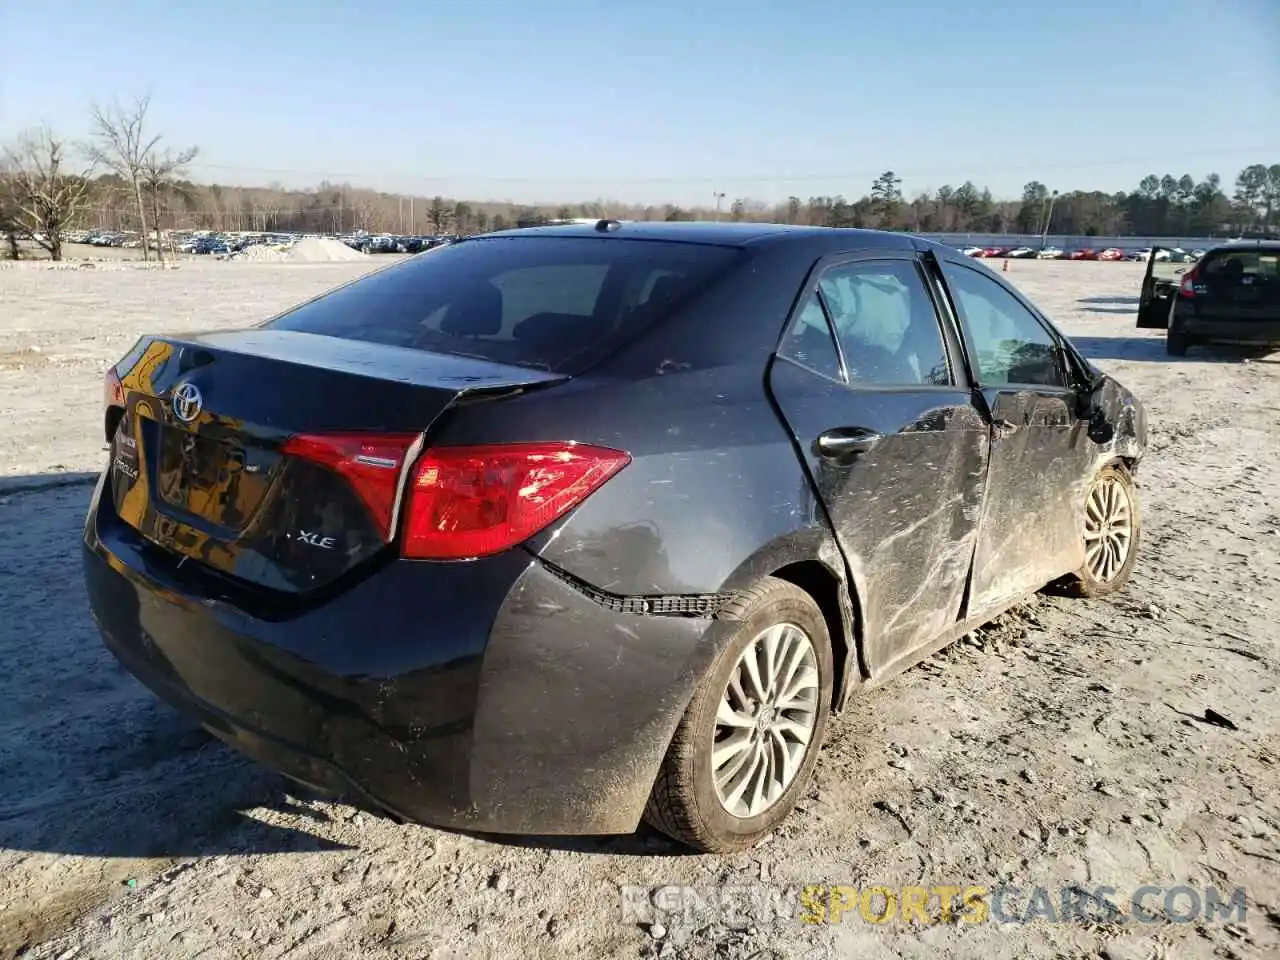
{"type": "Point", "coordinates": [718, 232]}
{"type": "Point", "coordinates": [1237, 246]}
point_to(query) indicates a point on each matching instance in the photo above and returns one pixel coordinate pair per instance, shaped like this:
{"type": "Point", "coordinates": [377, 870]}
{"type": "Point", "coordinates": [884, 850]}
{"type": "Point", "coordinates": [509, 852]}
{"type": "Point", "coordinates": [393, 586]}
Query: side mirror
{"type": "Point", "coordinates": [1093, 409]}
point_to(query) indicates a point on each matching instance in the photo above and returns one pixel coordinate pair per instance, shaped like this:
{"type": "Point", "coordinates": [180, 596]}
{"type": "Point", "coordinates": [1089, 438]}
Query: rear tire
{"type": "Point", "coordinates": [1112, 535]}
{"type": "Point", "coordinates": [1176, 344]}
{"type": "Point", "coordinates": [770, 737]}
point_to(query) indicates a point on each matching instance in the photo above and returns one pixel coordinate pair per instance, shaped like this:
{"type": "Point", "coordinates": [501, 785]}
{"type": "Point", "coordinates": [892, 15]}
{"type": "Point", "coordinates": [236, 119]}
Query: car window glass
{"type": "Point", "coordinates": [808, 340]}
{"type": "Point", "coordinates": [886, 323]}
{"type": "Point", "coordinates": [535, 300]}
{"type": "Point", "coordinates": [1240, 274]}
{"type": "Point", "coordinates": [1009, 343]}
{"type": "Point", "coordinates": [570, 289]}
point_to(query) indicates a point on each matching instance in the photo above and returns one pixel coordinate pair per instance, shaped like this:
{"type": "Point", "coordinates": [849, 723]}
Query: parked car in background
{"type": "Point", "coordinates": [1085, 254]}
{"type": "Point", "coordinates": [1021, 253]}
{"type": "Point", "coordinates": [553, 529]}
{"type": "Point", "coordinates": [974, 252]}
{"type": "Point", "coordinates": [1231, 295]}
{"type": "Point", "coordinates": [1050, 253]}
{"type": "Point", "coordinates": [1112, 254]}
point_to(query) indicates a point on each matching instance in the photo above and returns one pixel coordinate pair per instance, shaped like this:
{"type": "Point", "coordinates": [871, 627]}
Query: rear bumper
{"type": "Point", "coordinates": [487, 695]}
{"type": "Point", "coordinates": [1250, 332]}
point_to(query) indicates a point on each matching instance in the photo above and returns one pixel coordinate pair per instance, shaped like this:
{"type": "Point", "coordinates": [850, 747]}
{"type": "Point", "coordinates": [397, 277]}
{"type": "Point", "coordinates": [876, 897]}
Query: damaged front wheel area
{"type": "Point", "coordinates": [1111, 530]}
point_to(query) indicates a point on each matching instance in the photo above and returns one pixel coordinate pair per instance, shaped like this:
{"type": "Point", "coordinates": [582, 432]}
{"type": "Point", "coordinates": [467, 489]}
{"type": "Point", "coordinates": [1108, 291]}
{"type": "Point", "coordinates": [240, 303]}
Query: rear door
{"type": "Point", "coordinates": [1238, 286]}
{"type": "Point", "coordinates": [870, 385]}
{"type": "Point", "coordinates": [1040, 452]}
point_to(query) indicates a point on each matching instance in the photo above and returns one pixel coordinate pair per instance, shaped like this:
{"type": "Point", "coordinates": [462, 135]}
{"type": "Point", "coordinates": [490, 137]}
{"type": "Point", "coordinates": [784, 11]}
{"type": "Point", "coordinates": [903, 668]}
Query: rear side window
{"type": "Point", "coordinates": [886, 322]}
{"type": "Point", "coordinates": [809, 341]}
{"type": "Point", "coordinates": [536, 301]}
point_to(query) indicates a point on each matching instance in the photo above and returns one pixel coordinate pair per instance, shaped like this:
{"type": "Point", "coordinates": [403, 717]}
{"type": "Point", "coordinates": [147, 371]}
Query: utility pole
{"type": "Point", "coordinates": [719, 196]}
{"type": "Point", "coordinates": [1044, 236]}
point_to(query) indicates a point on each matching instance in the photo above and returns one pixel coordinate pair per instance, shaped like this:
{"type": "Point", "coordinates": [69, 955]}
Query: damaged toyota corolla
{"type": "Point", "coordinates": [559, 529]}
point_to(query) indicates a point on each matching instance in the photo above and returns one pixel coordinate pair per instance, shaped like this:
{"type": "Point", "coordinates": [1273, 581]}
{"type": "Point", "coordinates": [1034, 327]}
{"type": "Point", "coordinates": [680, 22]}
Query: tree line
{"type": "Point", "coordinates": [124, 177]}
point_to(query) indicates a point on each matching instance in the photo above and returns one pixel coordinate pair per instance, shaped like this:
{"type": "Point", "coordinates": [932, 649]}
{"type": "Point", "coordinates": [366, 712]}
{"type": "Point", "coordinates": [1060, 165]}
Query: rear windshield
{"type": "Point", "coordinates": [1263, 263]}
{"type": "Point", "coordinates": [535, 301]}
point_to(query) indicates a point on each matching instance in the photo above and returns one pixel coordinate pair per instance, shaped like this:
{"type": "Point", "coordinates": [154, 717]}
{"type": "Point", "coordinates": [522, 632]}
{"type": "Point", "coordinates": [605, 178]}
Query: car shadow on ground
{"type": "Point", "coordinates": [1152, 349]}
{"type": "Point", "coordinates": [91, 763]}
{"type": "Point", "coordinates": [1117, 301]}
{"type": "Point", "coordinates": [1109, 306]}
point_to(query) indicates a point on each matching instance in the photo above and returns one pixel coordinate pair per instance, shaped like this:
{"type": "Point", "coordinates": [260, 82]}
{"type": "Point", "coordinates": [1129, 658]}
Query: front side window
{"type": "Point", "coordinates": [1009, 343]}
{"type": "Point", "coordinates": [886, 322]}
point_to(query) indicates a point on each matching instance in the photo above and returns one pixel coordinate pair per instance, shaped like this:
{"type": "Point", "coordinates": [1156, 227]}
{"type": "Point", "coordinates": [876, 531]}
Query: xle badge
{"type": "Point", "coordinates": [315, 540]}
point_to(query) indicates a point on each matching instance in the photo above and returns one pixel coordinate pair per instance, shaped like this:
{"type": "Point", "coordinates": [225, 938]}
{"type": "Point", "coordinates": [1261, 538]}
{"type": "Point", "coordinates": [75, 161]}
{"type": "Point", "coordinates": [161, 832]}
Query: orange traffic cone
{"type": "Point", "coordinates": [1005, 268]}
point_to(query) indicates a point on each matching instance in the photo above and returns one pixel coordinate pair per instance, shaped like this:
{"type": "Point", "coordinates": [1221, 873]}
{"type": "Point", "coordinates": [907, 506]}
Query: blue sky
{"type": "Point", "coordinates": [662, 101]}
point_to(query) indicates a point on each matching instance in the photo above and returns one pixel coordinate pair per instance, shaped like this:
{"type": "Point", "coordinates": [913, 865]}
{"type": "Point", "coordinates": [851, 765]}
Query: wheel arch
{"type": "Point", "coordinates": [811, 560]}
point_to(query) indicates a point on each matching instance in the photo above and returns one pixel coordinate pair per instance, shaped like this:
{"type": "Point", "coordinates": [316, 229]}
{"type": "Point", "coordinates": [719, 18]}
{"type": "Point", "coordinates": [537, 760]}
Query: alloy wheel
{"type": "Point", "coordinates": [1108, 528]}
{"type": "Point", "coordinates": [765, 720]}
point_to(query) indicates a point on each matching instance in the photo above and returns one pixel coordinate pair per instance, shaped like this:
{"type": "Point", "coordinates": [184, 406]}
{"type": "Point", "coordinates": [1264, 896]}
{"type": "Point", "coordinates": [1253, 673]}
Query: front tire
{"type": "Point", "coordinates": [1112, 534]}
{"type": "Point", "coordinates": [747, 745]}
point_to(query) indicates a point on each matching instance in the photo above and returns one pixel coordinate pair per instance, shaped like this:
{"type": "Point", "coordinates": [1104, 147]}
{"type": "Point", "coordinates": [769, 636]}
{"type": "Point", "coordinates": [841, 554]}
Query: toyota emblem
{"type": "Point", "coordinates": [187, 402]}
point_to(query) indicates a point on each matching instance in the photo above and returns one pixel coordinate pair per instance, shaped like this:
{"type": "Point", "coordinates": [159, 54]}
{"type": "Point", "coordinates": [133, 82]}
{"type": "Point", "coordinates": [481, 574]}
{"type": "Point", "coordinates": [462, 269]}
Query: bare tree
{"type": "Point", "coordinates": [8, 214]}
{"type": "Point", "coordinates": [160, 170]}
{"type": "Point", "coordinates": [41, 198]}
{"type": "Point", "coordinates": [121, 143]}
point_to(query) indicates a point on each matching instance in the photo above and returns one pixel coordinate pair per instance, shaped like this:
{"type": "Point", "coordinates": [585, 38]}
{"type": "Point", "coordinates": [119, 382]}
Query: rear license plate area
{"type": "Point", "coordinates": [191, 465]}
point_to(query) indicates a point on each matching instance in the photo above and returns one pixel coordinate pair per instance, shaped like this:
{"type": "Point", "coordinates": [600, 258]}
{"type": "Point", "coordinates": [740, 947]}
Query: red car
{"type": "Point", "coordinates": [1083, 255]}
{"type": "Point", "coordinates": [1112, 253]}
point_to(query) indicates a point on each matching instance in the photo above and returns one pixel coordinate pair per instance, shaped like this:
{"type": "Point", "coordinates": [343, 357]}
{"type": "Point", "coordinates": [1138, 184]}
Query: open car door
{"type": "Point", "coordinates": [1159, 287]}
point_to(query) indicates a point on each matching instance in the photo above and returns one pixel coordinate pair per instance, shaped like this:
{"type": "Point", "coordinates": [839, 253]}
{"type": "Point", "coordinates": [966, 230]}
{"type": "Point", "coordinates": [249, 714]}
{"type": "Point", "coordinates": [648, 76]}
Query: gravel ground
{"type": "Point", "coordinates": [1063, 744]}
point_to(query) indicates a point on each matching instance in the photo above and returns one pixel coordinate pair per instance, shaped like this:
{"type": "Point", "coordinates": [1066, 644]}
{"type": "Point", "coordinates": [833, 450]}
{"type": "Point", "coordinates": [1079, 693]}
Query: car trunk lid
{"type": "Point", "coordinates": [277, 457]}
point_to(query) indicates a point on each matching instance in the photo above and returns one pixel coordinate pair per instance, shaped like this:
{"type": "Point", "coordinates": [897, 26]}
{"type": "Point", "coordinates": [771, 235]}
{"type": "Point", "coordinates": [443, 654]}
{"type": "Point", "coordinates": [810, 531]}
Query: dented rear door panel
{"type": "Point", "coordinates": [906, 511]}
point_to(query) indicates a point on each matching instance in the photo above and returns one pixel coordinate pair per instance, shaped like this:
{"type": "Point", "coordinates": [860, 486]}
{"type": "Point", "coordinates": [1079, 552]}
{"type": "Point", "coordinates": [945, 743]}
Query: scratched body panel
{"type": "Point", "coordinates": [905, 512]}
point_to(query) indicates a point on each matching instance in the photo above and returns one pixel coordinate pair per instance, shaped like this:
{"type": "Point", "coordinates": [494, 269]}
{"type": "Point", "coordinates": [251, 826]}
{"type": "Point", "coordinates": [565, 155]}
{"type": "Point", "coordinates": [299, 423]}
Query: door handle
{"type": "Point", "coordinates": [1003, 428]}
{"type": "Point", "coordinates": [845, 443]}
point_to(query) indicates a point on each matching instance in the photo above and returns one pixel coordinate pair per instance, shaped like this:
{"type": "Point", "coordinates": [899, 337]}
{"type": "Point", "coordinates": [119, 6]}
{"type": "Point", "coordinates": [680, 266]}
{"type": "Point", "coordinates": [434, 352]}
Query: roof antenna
{"type": "Point", "coordinates": [608, 226]}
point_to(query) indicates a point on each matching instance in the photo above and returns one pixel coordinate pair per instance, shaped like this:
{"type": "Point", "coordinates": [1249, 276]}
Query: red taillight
{"type": "Point", "coordinates": [477, 501]}
{"type": "Point", "coordinates": [112, 389]}
{"type": "Point", "coordinates": [1188, 286]}
{"type": "Point", "coordinates": [370, 463]}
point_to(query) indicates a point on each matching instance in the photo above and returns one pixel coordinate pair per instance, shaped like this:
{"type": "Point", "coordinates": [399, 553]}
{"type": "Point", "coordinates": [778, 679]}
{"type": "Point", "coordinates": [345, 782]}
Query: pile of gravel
{"type": "Point", "coordinates": [307, 250]}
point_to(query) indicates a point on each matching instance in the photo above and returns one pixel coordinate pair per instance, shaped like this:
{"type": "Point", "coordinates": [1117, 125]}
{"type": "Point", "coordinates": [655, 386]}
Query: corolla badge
{"type": "Point", "coordinates": [187, 402]}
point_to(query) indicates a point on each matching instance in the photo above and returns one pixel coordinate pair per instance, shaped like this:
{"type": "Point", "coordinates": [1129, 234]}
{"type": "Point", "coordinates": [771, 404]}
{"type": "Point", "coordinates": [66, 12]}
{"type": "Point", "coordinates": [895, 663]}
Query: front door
{"type": "Point", "coordinates": [1041, 453]}
{"type": "Point", "coordinates": [872, 388]}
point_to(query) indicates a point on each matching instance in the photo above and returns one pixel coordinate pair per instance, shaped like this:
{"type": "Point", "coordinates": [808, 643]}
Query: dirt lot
{"type": "Point", "coordinates": [1060, 746]}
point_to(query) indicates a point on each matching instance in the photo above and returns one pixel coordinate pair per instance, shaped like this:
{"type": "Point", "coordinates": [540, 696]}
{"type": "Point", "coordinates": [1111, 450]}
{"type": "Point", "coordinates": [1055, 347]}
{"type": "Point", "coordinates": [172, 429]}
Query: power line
{"type": "Point", "coordinates": [918, 174]}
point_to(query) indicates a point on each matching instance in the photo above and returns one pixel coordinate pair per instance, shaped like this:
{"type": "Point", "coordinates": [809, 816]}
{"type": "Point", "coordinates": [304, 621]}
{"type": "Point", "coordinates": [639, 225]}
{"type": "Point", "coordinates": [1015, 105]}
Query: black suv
{"type": "Point", "coordinates": [1231, 295]}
